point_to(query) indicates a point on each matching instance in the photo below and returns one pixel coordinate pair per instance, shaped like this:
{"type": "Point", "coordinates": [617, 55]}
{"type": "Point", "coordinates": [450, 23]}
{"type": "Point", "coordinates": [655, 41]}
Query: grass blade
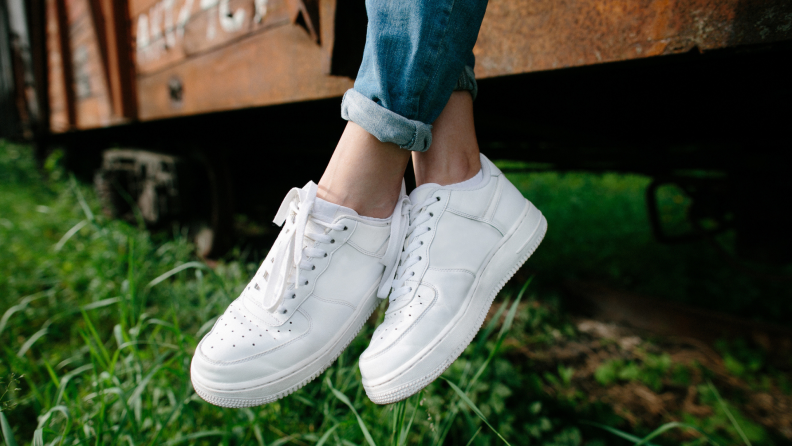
{"type": "Point", "coordinates": [21, 306]}
{"type": "Point", "coordinates": [176, 270]}
{"type": "Point", "coordinates": [8, 434]}
{"type": "Point", "coordinates": [197, 435]}
{"type": "Point", "coordinates": [69, 234]}
{"type": "Point", "coordinates": [507, 323]}
{"type": "Point", "coordinates": [474, 436]}
{"type": "Point", "coordinates": [81, 199]}
{"type": "Point", "coordinates": [616, 432]}
{"type": "Point", "coordinates": [412, 418]}
{"type": "Point", "coordinates": [31, 340]}
{"type": "Point", "coordinates": [729, 414]}
{"type": "Point", "coordinates": [673, 425]}
{"type": "Point", "coordinates": [485, 334]}
{"type": "Point", "coordinates": [346, 401]}
{"type": "Point", "coordinates": [474, 408]}
{"type": "Point", "coordinates": [397, 414]}
{"type": "Point", "coordinates": [100, 303]}
{"type": "Point", "coordinates": [326, 435]}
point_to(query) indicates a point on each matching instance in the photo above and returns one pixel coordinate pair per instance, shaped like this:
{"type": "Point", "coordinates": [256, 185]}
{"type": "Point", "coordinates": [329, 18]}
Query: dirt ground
{"type": "Point", "coordinates": [599, 343]}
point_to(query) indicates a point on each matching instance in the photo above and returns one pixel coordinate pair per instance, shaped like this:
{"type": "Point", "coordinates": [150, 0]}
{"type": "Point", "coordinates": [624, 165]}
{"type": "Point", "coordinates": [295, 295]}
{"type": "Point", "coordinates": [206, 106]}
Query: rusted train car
{"type": "Point", "coordinates": [201, 96]}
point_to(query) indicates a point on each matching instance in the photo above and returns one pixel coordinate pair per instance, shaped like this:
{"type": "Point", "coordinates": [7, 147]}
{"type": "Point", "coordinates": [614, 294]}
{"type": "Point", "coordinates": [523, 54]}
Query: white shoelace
{"type": "Point", "coordinates": [295, 247]}
{"type": "Point", "coordinates": [419, 215]}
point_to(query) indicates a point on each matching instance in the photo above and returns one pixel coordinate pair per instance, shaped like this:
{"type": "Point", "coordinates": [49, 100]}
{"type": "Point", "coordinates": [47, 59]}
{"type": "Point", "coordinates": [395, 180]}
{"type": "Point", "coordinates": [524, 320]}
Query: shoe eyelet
{"type": "Point", "coordinates": [294, 296]}
{"type": "Point", "coordinates": [345, 228]}
{"type": "Point", "coordinates": [438, 198]}
{"type": "Point", "coordinates": [422, 242]}
{"type": "Point", "coordinates": [431, 214]}
{"type": "Point", "coordinates": [306, 282]}
{"type": "Point", "coordinates": [284, 311]}
{"type": "Point", "coordinates": [332, 241]}
{"type": "Point", "coordinates": [428, 229]}
{"type": "Point", "coordinates": [313, 267]}
{"type": "Point", "coordinates": [420, 258]}
{"type": "Point", "coordinates": [325, 255]}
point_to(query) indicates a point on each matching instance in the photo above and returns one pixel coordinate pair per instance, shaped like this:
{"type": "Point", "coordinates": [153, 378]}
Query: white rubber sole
{"type": "Point", "coordinates": [275, 390]}
{"type": "Point", "coordinates": [509, 256]}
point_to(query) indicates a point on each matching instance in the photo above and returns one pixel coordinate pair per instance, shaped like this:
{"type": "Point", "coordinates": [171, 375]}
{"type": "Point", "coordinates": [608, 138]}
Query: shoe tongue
{"type": "Point", "coordinates": [422, 192]}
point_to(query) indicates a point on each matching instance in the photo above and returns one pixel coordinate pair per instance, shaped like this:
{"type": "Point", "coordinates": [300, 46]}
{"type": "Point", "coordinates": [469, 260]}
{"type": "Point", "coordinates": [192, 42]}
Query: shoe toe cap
{"type": "Point", "coordinates": [239, 347]}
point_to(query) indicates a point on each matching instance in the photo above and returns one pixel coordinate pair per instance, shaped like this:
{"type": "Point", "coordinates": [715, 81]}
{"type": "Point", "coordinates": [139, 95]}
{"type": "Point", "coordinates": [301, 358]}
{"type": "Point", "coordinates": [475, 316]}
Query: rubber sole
{"type": "Point", "coordinates": [381, 394]}
{"type": "Point", "coordinates": [311, 371]}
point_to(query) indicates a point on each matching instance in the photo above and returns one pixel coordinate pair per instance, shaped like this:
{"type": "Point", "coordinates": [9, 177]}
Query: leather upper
{"type": "Point", "coordinates": [248, 342]}
{"type": "Point", "coordinates": [466, 225]}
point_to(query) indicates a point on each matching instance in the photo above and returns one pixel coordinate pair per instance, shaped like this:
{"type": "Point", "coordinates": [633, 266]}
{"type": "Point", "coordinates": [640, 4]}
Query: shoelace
{"type": "Point", "coordinates": [419, 214]}
{"type": "Point", "coordinates": [290, 257]}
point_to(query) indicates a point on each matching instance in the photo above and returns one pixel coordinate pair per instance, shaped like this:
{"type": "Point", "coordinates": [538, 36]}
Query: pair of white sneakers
{"type": "Point", "coordinates": [440, 258]}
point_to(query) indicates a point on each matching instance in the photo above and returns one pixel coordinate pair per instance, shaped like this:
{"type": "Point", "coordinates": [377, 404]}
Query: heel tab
{"type": "Point", "coordinates": [486, 164]}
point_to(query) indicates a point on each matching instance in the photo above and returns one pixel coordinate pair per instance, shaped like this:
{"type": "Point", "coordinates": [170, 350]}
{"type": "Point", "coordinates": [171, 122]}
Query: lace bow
{"type": "Point", "coordinates": [295, 246]}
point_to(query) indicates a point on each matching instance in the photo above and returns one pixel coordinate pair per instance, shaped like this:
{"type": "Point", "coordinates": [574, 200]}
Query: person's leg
{"type": "Point", "coordinates": [364, 173]}
{"type": "Point", "coordinates": [417, 52]}
{"type": "Point", "coordinates": [455, 152]}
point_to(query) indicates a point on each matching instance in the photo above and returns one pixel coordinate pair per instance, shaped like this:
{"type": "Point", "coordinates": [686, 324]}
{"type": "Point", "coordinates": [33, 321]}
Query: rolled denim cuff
{"type": "Point", "coordinates": [467, 81]}
{"type": "Point", "coordinates": [384, 124]}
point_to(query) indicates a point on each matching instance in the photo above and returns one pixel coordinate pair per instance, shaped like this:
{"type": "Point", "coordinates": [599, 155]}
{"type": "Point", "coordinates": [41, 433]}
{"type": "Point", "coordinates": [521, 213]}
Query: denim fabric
{"type": "Point", "coordinates": [417, 53]}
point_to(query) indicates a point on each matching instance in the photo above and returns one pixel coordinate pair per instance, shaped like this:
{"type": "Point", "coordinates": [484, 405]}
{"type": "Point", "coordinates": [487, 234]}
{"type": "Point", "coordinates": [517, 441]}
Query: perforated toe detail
{"type": "Point", "coordinates": [238, 335]}
{"type": "Point", "coordinates": [398, 322]}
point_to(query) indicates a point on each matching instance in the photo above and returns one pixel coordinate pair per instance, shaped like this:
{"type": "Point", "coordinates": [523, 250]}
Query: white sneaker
{"type": "Point", "coordinates": [463, 244]}
{"type": "Point", "coordinates": [308, 300]}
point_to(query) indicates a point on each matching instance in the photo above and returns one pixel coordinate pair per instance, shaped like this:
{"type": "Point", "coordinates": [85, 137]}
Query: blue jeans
{"type": "Point", "coordinates": [417, 53]}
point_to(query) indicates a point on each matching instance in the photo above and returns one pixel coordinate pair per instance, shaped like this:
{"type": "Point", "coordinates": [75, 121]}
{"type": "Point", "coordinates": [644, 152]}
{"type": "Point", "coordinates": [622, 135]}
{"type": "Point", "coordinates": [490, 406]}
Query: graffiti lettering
{"type": "Point", "coordinates": [228, 21]}
{"type": "Point", "coordinates": [261, 11]}
{"type": "Point", "coordinates": [162, 27]}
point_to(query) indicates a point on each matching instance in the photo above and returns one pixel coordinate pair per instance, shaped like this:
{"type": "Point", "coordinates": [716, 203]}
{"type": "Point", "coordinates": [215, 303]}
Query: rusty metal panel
{"type": "Point", "coordinates": [524, 36]}
{"type": "Point", "coordinates": [118, 57]}
{"type": "Point", "coordinates": [61, 99]}
{"type": "Point", "coordinates": [283, 64]}
{"type": "Point", "coordinates": [93, 104]}
{"type": "Point", "coordinates": [89, 64]}
{"type": "Point", "coordinates": [201, 56]}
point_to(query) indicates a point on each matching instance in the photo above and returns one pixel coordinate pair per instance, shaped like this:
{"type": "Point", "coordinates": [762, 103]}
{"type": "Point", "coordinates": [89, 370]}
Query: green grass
{"type": "Point", "coordinates": [99, 320]}
{"type": "Point", "coordinates": [599, 231]}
